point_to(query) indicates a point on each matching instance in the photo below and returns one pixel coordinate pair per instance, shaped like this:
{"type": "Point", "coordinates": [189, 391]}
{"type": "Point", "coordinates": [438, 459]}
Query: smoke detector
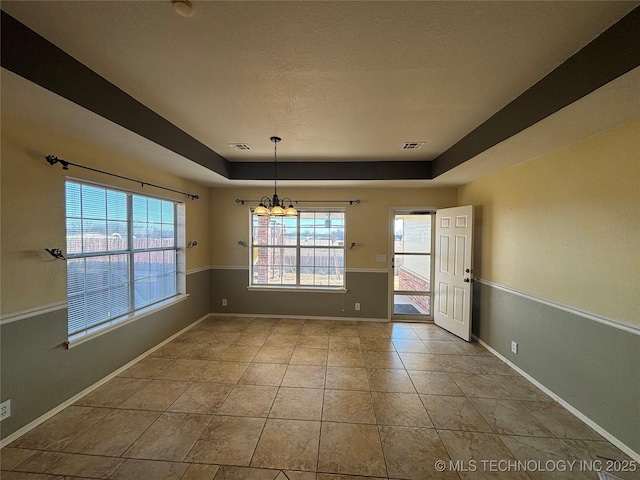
{"type": "Point", "coordinates": [183, 7]}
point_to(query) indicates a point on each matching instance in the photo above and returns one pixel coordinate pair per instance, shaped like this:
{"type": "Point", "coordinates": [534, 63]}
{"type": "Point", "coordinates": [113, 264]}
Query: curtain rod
{"type": "Point", "coordinates": [350, 202]}
{"type": "Point", "coordinates": [52, 159]}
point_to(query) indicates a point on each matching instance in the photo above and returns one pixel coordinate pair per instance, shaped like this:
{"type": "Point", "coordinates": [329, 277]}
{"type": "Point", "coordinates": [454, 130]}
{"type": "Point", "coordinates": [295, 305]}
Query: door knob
{"type": "Point", "coordinates": [466, 280]}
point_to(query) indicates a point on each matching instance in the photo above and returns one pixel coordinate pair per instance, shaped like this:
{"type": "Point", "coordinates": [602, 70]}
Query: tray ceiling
{"type": "Point", "coordinates": [345, 84]}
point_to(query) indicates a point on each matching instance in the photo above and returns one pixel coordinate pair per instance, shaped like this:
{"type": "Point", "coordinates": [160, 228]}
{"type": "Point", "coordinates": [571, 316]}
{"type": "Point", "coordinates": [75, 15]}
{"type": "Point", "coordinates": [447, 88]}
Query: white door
{"type": "Point", "coordinates": [454, 270]}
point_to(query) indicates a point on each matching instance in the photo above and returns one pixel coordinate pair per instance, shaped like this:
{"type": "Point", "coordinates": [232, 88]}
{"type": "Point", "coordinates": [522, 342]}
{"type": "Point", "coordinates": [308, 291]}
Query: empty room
{"type": "Point", "coordinates": [320, 240]}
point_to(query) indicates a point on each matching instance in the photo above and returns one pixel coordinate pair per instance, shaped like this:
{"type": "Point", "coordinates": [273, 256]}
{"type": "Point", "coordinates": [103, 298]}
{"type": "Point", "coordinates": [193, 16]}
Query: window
{"type": "Point", "coordinates": [121, 254]}
{"type": "Point", "coordinates": [303, 251]}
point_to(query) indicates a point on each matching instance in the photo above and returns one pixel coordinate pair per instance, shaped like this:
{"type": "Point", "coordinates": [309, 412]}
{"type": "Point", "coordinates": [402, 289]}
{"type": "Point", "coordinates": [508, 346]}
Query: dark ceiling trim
{"type": "Point", "coordinates": [615, 52]}
{"type": "Point", "coordinates": [332, 171]}
{"type": "Point", "coordinates": [612, 54]}
{"type": "Point", "coordinates": [31, 56]}
{"type": "Point", "coordinates": [26, 53]}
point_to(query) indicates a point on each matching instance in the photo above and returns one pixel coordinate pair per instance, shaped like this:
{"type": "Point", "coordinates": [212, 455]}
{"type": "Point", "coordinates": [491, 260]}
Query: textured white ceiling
{"type": "Point", "coordinates": [336, 80]}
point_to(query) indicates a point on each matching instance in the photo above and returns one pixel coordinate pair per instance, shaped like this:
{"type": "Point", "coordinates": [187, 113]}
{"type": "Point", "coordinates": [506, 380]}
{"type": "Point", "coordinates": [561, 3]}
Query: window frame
{"type": "Point", "coordinates": [298, 286]}
{"type": "Point", "coordinates": [133, 312]}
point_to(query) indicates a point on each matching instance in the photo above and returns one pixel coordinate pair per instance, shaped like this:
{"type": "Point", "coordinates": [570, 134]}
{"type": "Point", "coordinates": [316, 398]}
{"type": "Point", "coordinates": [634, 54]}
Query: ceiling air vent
{"type": "Point", "coordinates": [240, 146]}
{"type": "Point", "coordinates": [412, 145]}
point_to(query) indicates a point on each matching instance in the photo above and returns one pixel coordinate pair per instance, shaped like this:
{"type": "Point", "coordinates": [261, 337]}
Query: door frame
{"type": "Point", "coordinates": [393, 211]}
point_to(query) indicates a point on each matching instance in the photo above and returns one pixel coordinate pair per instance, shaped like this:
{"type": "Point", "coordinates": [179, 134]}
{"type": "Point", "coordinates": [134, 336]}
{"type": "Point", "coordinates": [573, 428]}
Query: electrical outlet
{"type": "Point", "coordinates": [224, 302]}
{"type": "Point", "coordinates": [381, 258]}
{"type": "Point", "coordinates": [357, 306]}
{"type": "Point", "coordinates": [5, 409]}
{"type": "Point", "coordinates": [514, 346]}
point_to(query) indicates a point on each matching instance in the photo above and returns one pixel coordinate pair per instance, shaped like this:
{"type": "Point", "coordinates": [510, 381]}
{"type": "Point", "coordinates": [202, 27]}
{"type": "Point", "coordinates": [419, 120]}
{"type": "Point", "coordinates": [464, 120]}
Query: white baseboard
{"type": "Point", "coordinates": [628, 450]}
{"type": "Point", "coordinates": [46, 416]}
{"type": "Point", "coordinates": [31, 425]}
{"type": "Point", "coordinates": [302, 317]}
{"type": "Point", "coordinates": [4, 442]}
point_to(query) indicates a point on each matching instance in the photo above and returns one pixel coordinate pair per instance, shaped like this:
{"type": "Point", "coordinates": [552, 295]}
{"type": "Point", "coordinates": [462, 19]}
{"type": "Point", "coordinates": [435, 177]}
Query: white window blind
{"type": "Point", "coordinates": [121, 254]}
{"type": "Point", "coordinates": [303, 251]}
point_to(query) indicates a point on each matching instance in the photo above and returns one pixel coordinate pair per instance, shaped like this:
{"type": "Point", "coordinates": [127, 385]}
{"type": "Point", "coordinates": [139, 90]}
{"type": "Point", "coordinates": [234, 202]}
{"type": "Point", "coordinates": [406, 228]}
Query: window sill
{"type": "Point", "coordinates": [276, 288]}
{"type": "Point", "coordinates": [80, 338]}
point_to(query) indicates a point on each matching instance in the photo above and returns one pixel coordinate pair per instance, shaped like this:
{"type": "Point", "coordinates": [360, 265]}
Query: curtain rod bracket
{"type": "Point", "coordinates": [56, 253]}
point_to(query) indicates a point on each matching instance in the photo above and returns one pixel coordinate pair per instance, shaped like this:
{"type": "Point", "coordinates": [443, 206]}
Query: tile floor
{"type": "Point", "coordinates": [243, 398]}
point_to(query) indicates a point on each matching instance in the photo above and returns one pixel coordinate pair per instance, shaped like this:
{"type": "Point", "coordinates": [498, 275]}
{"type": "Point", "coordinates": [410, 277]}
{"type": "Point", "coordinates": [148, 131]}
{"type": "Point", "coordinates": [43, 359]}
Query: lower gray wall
{"type": "Point", "coordinates": [592, 366]}
{"type": "Point", "coordinates": [39, 372]}
{"type": "Point", "coordinates": [367, 288]}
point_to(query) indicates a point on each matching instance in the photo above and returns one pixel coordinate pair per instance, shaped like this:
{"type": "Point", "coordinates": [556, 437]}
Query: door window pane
{"type": "Point", "coordinates": [412, 233]}
{"type": "Point", "coordinates": [412, 263]}
{"type": "Point", "coordinates": [412, 273]}
{"type": "Point", "coordinates": [412, 304]}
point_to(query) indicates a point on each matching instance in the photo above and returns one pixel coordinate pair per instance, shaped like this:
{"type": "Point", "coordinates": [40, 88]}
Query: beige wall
{"type": "Point", "coordinates": [563, 227]}
{"type": "Point", "coordinates": [566, 226]}
{"type": "Point", "coordinates": [33, 209]}
{"type": "Point", "coordinates": [367, 224]}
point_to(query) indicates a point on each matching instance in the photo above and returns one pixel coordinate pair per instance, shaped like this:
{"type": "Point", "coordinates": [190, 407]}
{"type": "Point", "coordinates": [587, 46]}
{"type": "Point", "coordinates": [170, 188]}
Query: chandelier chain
{"type": "Point", "coordinates": [274, 206]}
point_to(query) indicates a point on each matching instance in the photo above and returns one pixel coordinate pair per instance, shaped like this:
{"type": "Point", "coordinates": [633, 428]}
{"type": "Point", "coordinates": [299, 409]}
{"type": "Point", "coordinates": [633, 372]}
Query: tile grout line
{"type": "Point", "coordinates": [265, 420]}
{"type": "Point", "coordinates": [384, 457]}
{"type": "Point", "coordinates": [470, 399]}
{"type": "Point", "coordinates": [324, 391]}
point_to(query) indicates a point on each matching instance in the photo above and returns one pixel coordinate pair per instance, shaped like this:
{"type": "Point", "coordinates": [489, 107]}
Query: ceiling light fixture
{"type": "Point", "coordinates": [183, 7]}
{"type": "Point", "coordinates": [274, 206]}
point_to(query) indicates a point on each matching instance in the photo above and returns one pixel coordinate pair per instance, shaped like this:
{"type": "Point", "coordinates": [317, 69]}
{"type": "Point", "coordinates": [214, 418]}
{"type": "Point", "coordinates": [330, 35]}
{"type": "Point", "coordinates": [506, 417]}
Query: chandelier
{"type": "Point", "coordinates": [274, 206]}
